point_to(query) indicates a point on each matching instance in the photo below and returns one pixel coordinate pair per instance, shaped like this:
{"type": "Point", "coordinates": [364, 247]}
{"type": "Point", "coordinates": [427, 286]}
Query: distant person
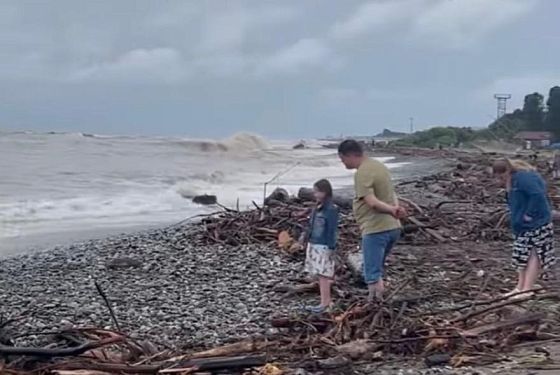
{"type": "Point", "coordinates": [376, 210]}
{"type": "Point", "coordinates": [320, 260]}
{"type": "Point", "coordinates": [534, 157]}
{"type": "Point", "coordinates": [531, 221]}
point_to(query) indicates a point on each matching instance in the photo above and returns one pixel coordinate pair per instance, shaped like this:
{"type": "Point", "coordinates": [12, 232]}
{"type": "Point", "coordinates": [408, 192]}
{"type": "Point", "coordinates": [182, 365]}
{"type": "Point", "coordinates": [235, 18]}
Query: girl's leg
{"type": "Point", "coordinates": [518, 261]}
{"type": "Point", "coordinates": [521, 280]}
{"type": "Point", "coordinates": [532, 271]}
{"type": "Point", "coordinates": [325, 289]}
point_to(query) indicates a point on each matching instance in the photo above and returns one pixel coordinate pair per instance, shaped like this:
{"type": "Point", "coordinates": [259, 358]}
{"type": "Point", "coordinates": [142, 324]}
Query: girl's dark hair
{"type": "Point", "coordinates": [324, 186]}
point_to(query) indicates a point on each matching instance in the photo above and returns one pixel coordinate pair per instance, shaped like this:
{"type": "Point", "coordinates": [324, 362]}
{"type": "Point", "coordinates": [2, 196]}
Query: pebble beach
{"type": "Point", "coordinates": [161, 288]}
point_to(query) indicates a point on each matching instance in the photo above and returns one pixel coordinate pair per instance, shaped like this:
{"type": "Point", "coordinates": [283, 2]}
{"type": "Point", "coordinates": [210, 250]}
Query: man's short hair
{"type": "Point", "coordinates": [350, 147]}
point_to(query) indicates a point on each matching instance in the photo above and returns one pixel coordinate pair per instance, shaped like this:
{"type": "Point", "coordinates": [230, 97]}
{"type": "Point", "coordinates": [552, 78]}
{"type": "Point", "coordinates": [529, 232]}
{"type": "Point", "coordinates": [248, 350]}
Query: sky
{"type": "Point", "coordinates": [283, 69]}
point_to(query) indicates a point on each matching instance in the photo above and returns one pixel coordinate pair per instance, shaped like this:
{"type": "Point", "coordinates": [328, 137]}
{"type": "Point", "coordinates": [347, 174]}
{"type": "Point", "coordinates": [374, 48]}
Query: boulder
{"type": "Point", "coordinates": [278, 195]}
{"type": "Point", "coordinates": [205, 199]}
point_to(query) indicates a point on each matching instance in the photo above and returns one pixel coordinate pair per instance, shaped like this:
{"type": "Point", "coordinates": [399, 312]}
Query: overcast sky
{"type": "Point", "coordinates": [281, 68]}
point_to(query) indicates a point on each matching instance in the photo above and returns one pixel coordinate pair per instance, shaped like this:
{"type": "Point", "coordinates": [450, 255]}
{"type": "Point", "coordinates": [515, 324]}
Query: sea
{"type": "Point", "coordinates": [57, 188]}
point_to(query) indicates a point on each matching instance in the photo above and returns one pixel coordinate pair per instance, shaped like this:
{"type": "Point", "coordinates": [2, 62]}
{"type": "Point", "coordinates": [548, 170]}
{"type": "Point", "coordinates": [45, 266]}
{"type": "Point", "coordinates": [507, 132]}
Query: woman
{"type": "Point", "coordinates": [322, 243]}
{"type": "Point", "coordinates": [531, 221]}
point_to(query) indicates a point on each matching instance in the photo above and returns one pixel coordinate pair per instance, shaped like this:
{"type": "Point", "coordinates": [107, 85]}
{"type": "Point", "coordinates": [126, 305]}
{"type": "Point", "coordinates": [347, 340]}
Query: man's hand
{"type": "Point", "coordinates": [398, 212]}
{"type": "Point", "coordinates": [401, 212]}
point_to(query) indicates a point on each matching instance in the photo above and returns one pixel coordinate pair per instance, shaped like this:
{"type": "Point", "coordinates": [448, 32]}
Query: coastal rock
{"type": "Point", "coordinates": [278, 195]}
{"type": "Point", "coordinates": [205, 199]}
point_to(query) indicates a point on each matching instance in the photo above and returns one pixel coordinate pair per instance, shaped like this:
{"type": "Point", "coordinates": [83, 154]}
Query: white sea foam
{"type": "Point", "coordinates": [71, 182]}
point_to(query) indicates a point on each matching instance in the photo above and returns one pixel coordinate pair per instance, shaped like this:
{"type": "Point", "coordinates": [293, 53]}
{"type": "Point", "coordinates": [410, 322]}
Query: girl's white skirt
{"type": "Point", "coordinates": [319, 260]}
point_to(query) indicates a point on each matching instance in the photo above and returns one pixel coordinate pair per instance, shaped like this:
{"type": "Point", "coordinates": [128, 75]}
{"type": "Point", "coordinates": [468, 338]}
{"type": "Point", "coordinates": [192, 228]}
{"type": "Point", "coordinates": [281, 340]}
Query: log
{"type": "Point", "coordinates": [319, 324]}
{"type": "Point", "coordinates": [438, 206]}
{"type": "Point", "coordinates": [437, 360]}
{"type": "Point", "coordinates": [112, 368]}
{"type": "Point", "coordinates": [225, 363]}
{"type": "Point", "coordinates": [510, 323]}
{"type": "Point", "coordinates": [504, 303]}
{"type": "Point", "coordinates": [247, 346]}
{"type": "Point", "coordinates": [416, 222]}
{"type": "Point", "coordinates": [412, 204]}
{"type": "Point", "coordinates": [50, 353]}
{"type": "Point", "coordinates": [433, 233]}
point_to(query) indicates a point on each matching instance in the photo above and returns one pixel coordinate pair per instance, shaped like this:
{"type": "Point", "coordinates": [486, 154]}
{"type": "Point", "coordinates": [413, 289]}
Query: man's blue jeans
{"type": "Point", "coordinates": [375, 248]}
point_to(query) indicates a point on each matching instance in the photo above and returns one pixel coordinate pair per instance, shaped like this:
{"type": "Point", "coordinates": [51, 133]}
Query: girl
{"type": "Point", "coordinates": [531, 221]}
{"type": "Point", "coordinates": [322, 243]}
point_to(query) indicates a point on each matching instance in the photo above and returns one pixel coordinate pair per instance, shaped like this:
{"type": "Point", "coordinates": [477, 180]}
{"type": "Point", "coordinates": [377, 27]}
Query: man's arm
{"type": "Point", "coordinates": [380, 206]}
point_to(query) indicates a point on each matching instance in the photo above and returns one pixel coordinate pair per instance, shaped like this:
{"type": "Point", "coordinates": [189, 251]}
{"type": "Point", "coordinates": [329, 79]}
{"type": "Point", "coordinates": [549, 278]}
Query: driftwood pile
{"type": "Point", "coordinates": [92, 351]}
{"type": "Point", "coordinates": [462, 204]}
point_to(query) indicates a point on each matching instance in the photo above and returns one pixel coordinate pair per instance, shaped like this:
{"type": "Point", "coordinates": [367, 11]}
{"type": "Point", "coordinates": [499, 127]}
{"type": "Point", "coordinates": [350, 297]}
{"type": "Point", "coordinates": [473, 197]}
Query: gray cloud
{"type": "Point", "coordinates": [285, 68]}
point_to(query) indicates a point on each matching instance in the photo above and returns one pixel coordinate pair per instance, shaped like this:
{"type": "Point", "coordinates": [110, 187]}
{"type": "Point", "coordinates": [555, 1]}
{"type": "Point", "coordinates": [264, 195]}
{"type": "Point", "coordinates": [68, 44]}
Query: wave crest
{"type": "Point", "coordinates": [241, 142]}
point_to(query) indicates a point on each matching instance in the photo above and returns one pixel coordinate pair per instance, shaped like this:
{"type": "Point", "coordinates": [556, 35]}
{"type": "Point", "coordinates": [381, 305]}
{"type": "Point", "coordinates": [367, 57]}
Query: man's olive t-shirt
{"type": "Point", "coordinates": [373, 177]}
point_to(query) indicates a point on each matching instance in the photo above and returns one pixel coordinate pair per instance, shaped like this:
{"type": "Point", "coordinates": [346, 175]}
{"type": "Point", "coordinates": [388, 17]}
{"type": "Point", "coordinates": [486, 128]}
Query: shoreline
{"type": "Point", "coordinates": [168, 288]}
{"type": "Point", "coordinates": [38, 242]}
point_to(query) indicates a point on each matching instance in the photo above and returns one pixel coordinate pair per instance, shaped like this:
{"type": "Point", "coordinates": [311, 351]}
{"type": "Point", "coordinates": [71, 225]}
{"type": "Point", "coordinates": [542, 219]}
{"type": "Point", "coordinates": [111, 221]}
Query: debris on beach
{"type": "Point", "coordinates": [445, 302]}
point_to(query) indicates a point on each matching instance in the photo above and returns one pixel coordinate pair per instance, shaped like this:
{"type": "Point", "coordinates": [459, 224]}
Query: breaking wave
{"type": "Point", "coordinates": [241, 142]}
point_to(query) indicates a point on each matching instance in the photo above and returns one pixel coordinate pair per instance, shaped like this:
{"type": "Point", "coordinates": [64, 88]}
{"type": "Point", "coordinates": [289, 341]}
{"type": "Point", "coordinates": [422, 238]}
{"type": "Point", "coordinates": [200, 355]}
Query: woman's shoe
{"type": "Point", "coordinates": [523, 295]}
{"type": "Point", "coordinates": [512, 293]}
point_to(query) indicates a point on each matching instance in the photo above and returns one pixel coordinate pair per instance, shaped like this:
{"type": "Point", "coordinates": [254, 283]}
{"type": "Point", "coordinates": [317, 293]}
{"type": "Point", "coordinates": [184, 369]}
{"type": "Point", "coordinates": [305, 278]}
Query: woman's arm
{"type": "Point", "coordinates": [380, 206]}
{"type": "Point", "coordinates": [535, 193]}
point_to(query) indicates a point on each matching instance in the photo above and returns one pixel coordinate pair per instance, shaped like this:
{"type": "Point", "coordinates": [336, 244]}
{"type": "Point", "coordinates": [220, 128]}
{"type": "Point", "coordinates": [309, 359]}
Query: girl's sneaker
{"type": "Point", "coordinates": [319, 309]}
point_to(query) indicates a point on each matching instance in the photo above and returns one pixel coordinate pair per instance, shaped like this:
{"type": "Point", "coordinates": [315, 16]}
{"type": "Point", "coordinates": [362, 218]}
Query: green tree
{"type": "Point", "coordinates": [552, 119]}
{"type": "Point", "coordinates": [507, 126]}
{"type": "Point", "coordinates": [533, 111]}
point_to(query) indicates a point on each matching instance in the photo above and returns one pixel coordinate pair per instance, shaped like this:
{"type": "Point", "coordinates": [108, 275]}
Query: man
{"type": "Point", "coordinates": [376, 210]}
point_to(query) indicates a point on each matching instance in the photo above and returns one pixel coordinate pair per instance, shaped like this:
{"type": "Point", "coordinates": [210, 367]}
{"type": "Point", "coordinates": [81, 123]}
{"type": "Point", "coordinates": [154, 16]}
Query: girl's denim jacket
{"type": "Point", "coordinates": [528, 202]}
{"type": "Point", "coordinates": [323, 225]}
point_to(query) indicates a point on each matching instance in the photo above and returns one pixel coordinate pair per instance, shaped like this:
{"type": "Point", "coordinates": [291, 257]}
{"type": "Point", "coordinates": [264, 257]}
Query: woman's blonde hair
{"type": "Point", "coordinates": [520, 165]}
{"type": "Point", "coordinates": [514, 165]}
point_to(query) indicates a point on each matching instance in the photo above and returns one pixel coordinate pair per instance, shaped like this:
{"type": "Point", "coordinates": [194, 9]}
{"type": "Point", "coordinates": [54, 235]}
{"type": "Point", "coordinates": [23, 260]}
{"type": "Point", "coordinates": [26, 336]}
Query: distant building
{"type": "Point", "coordinates": [535, 139]}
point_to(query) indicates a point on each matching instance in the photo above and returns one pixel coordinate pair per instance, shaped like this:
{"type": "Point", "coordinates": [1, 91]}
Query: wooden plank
{"type": "Point", "coordinates": [416, 222]}
{"type": "Point", "coordinates": [496, 326]}
{"type": "Point", "coordinates": [435, 234]}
